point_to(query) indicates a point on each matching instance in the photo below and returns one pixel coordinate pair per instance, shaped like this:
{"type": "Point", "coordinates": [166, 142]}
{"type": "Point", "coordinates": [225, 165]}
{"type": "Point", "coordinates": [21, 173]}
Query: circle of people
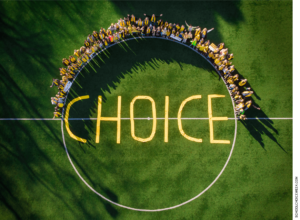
{"type": "Point", "coordinates": [129, 27]}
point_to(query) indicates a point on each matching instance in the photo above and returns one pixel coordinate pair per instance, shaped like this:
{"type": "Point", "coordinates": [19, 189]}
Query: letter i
{"type": "Point", "coordinates": [166, 119]}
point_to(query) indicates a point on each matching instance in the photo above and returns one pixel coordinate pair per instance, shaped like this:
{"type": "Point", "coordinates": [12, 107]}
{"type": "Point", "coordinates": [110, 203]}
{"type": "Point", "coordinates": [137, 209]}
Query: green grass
{"type": "Point", "coordinates": [154, 174]}
{"type": "Point", "coordinates": [37, 180]}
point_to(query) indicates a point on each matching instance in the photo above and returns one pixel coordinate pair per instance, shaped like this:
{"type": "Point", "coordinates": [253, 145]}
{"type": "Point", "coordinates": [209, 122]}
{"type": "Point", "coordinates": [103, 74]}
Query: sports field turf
{"type": "Point", "coordinates": [37, 180]}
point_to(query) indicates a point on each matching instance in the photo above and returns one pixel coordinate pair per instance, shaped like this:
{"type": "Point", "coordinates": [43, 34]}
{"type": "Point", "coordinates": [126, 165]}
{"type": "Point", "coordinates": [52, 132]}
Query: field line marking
{"type": "Point", "coordinates": [92, 119]}
{"type": "Point", "coordinates": [162, 209]}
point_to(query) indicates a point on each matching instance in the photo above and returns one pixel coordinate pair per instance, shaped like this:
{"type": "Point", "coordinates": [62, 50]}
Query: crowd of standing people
{"type": "Point", "coordinates": [153, 25]}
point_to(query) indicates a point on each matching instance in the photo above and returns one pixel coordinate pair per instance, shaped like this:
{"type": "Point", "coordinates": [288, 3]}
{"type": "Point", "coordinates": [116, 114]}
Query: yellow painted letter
{"type": "Point", "coordinates": [179, 119]}
{"type": "Point", "coordinates": [211, 119]}
{"type": "Point", "coordinates": [132, 119]}
{"type": "Point", "coordinates": [166, 118]}
{"type": "Point", "coordinates": [117, 119]}
{"type": "Point", "coordinates": [67, 117]}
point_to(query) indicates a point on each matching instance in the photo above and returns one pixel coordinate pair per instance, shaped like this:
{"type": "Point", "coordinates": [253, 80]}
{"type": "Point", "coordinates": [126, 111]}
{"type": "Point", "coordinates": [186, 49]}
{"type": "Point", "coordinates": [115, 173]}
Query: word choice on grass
{"type": "Point", "coordinates": [166, 124]}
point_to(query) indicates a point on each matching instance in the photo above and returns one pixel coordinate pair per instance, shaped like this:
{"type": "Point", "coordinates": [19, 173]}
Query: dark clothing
{"type": "Point", "coordinates": [150, 16]}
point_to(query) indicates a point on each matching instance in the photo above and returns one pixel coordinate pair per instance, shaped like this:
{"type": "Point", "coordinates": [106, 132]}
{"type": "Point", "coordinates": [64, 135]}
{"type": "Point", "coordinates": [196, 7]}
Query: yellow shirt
{"type": "Point", "coordinates": [72, 59]}
{"type": "Point", "coordinates": [122, 24]}
{"type": "Point", "coordinates": [66, 62]}
{"type": "Point", "coordinates": [132, 19]}
{"type": "Point", "coordinates": [63, 71]}
{"type": "Point", "coordinates": [247, 93]}
{"type": "Point", "coordinates": [95, 35]}
{"type": "Point", "coordinates": [79, 62]}
{"type": "Point", "coordinates": [242, 82]}
{"type": "Point", "coordinates": [221, 67]}
{"type": "Point", "coordinates": [248, 104]}
{"type": "Point", "coordinates": [181, 29]}
{"type": "Point", "coordinates": [206, 50]}
{"type": "Point", "coordinates": [153, 18]}
{"type": "Point", "coordinates": [237, 97]}
{"type": "Point", "coordinates": [57, 114]}
{"type": "Point", "coordinates": [221, 46]}
{"type": "Point", "coordinates": [146, 22]}
{"type": "Point", "coordinates": [77, 53]}
{"type": "Point", "coordinates": [230, 80]}
{"type": "Point", "coordinates": [235, 77]}
{"type": "Point", "coordinates": [222, 57]}
{"type": "Point", "coordinates": [61, 87]}
{"type": "Point", "coordinates": [218, 62]}
{"type": "Point", "coordinates": [60, 105]}
{"type": "Point", "coordinates": [140, 23]}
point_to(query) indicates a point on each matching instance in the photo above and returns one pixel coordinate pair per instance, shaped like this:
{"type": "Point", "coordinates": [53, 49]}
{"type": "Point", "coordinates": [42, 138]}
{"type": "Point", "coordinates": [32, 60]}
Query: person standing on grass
{"type": "Point", "coordinates": [249, 104]}
{"type": "Point", "coordinates": [65, 62]}
{"type": "Point", "coordinates": [55, 82]}
{"type": "Point", "coordinates": [182, 29]}
{"type": "Point", "coordinates": [159, 22]}
{"type": "Point", "coordinates": [82, 49]}
{"type": "Point", "coordinates": [158, 32]}
{"type": "Point", "coordinates": [242, 82]}
{"type": "Point", "coordinates": [95, 35]}
{"type": "Point", "coordinates": [185, 37]}
{"type": "Point", "coordinates": [153, 18]}
{"type": "Point", "coordinates": [132, 18]}
{"type": "Point", "coordinates": [220, 46]}
{"type": "Point", "coordinates": [139, 22]}
{"type": "Point", "coordinates": [91, 39]}
{"type": "Point", "coordinates": [190, 28]}
{"type": "Point", "coordinates": [77, 53]}
{"type": "Point", "coordinates": [56, 114]}
{"type": "Point", "coordinates": [62, 71]}
{"type": "Point", "coordinates": [168, 33]}
{"type": "Point", "coordinates": [247, 93]}
{"type": "Point", "coordinates": [86, 43]}
{"type": "Point", "coordinates": [193, 43]}
{"type": "Point", "coordinates": [153, 31]}
{"type": "Point", "coordinates": [72, 59]}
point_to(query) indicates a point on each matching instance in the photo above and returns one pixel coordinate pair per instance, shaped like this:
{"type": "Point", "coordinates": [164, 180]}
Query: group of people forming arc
{"type": "Point", "coordinates": [152, 26]}
{"type": "Point", "coordinates": [221, 59]}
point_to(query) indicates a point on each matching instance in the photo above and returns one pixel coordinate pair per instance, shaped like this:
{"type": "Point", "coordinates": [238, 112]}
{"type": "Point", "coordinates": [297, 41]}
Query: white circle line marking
{"type": "Point", "coordinates": [163, 209]}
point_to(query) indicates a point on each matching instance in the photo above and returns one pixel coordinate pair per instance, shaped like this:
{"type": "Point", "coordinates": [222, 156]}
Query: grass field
{"type": "Point", "coordinates": [37, 179]}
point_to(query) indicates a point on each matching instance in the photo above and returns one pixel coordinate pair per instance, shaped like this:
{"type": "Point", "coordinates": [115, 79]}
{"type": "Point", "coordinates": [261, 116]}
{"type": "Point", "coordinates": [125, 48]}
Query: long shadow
{"type": "Point", "coordinates": [258, 127]}
{"type": "Point", "coordinates": [25, 48]}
